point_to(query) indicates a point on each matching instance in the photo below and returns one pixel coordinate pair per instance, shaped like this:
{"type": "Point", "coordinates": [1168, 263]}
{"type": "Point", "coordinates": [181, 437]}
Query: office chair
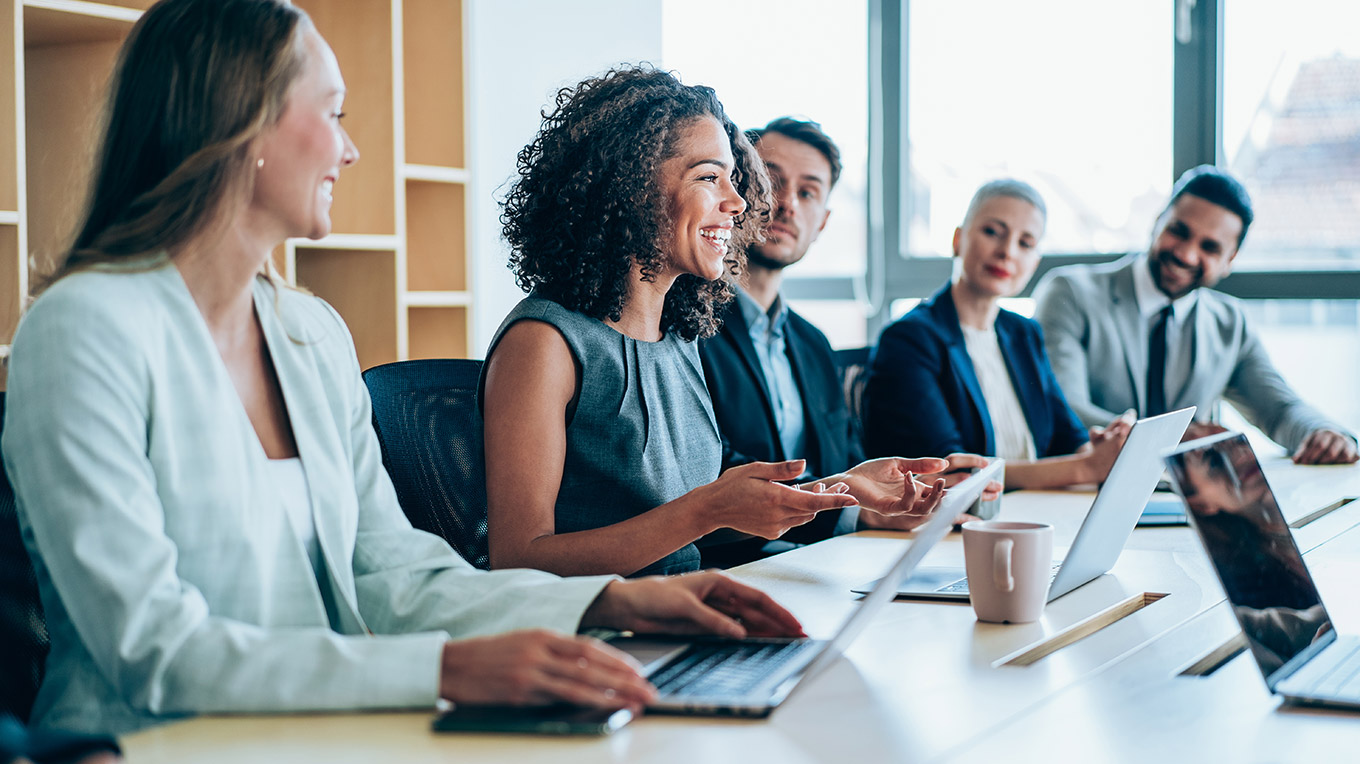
{"type": "Point", "coordinates": [430, 428]}
{"type": "Point", "coordinates": [23, 629]}
{"type": "Point", "coordinates": [853, 367]}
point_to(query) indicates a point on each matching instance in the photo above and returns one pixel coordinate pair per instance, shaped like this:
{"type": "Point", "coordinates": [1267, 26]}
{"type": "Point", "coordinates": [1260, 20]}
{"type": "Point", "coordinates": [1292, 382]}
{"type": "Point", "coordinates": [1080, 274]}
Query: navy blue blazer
{"type": "Point", "coordinates": [923, 397]}
{"type": "Point", "coordinates": [741, 403]}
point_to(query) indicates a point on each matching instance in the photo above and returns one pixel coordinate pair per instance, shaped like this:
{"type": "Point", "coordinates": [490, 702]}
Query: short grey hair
{"type": "Point", "coordinates": [1015, 189]}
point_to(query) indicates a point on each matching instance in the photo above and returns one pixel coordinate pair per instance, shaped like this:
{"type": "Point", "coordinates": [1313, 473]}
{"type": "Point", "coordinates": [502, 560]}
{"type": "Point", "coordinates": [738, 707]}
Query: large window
{"type": "Point", "coordinates": [803, 58]}
{"type": "Point", "coordinates": [1291, 128]}
{"type": "Point", "coordinates": [1099, 105]}
{"type": "Point", "coordinates": [1050, 93]}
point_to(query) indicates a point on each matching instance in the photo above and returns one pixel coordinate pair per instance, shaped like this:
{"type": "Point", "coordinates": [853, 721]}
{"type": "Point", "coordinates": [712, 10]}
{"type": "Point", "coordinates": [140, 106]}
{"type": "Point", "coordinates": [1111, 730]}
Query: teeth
{"type": "Point", "coordinates": [327, 185]}
{"type": "Point", "coordinates": [719, 235]}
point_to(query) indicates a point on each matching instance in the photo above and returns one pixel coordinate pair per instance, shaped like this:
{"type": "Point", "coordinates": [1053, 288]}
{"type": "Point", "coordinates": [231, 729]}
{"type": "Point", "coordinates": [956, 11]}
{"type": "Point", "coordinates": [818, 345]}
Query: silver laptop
{"type": "Point", "coordinates": [1262, 571]}
{"type": "Point", "coordinates": [750, 677]}
{"type": "Point", "coordinates": [1107, 526]}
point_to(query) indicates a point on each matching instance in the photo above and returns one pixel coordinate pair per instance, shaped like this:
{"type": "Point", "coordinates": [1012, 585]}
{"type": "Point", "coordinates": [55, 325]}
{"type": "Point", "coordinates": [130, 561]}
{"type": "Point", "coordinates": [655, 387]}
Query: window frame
{"type": "Point", "coordinates": [891, 273]}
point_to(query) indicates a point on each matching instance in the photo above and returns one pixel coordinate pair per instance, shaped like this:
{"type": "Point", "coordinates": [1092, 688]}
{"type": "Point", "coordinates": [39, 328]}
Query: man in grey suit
{"type": "Point", "coordinates": [1142, 334]}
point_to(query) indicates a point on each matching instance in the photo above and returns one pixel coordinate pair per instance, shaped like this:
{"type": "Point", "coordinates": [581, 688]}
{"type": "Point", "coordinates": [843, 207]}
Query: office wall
{"type": "Point", "coordinates": [519, 53]}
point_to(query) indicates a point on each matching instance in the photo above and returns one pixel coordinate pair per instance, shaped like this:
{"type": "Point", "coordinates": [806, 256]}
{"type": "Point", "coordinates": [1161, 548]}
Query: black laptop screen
{"type": "Point", "coordinates": [1251, 547]}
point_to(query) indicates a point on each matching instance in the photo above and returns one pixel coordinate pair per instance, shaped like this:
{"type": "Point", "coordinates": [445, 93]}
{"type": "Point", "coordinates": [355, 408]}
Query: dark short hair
{"type": "Point", "coordinates": [808, 132]}
{"type": "Point", "coordinates": [1217, 187]}
{"type": "Point", "coordinates": [586, 205]}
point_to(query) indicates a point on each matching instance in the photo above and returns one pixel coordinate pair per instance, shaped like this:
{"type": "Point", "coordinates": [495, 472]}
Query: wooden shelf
{"type": "Point", "coordinates": [9, 121]}
{"type": "Point", "coordinates": [438, 332]}
{"type": "Point", "coordinates": [348, 241]}
{"type": "Point", "coordinates": [70, 22]}
{"type": "Point", "coordinates": [360, 33]}
{"type": "Point", "coordinates": [432, 63]}
{"type": "Point", "coordinates": [433, 174]}
{"type": "Point", "coordinates": [436, 237]}
{"type": "Point", "coordinates": [362, 286]}
{"type": "Point", "coordinates": [436, 299]}
{"type": "Point", "coordinates": [11, 281]}
{"type": "Point", "coordinates": [395, 265]}
{"type": "Point", "coordinates": [65, 83]}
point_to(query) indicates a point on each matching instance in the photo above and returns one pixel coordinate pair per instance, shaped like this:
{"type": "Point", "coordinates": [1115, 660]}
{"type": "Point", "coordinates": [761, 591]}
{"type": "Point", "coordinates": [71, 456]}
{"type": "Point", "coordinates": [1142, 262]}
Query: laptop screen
{"type": "Point", "coordinates": [1245, 534]}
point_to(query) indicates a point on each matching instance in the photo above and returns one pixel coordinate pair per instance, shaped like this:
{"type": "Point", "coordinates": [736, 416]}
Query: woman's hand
{"type": "Point", "coordinates": [695, 603]}
{"type": "Point", "coordinates": [962, 467]}
{"type": "Point", "coordinates": [1106, 443]}
{"type": "Point", "coordinates": [747, 499]}
{"type": "Point", "coordinates": [889, 491]}
{"type": "Point", "coordinates": [537, 667]}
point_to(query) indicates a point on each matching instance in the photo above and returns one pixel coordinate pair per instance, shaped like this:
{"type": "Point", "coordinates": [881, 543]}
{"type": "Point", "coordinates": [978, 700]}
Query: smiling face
{"type": "Point", "coordinates": [302, 154]}
{"type": "Point", "coordinates": [1193, 245]}
{"type": "Point", "coordinates": [801, 176]}
{"type": "Point", "coordinates": [701, 200]}
{"type": "Point", "coordinates": [999, 246]}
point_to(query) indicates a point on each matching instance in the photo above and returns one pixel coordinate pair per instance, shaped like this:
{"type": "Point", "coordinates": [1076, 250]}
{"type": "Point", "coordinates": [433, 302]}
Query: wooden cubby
{"type": "Point", "coordinates": [396, 263]}
{"type": "Point", "coordinates": [436, 239]}
{"type": "Point", "coordinates": [357, 282]}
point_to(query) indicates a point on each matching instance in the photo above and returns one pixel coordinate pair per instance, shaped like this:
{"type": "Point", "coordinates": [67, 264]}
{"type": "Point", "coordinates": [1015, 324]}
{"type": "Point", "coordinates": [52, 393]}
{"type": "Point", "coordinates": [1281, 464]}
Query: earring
{"type": "Point", "coordinates": [259, 163]}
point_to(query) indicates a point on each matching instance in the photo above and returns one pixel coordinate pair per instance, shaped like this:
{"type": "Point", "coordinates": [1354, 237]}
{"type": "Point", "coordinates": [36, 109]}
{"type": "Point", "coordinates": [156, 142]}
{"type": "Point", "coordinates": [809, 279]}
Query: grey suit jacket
{"type": "Point", "coordinates": [1099, 347]}
{"type": "Point", "coordinates": [172, 581]}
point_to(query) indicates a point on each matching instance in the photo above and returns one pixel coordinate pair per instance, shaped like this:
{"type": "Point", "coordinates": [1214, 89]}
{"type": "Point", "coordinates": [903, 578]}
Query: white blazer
{"type": "Point", "coordinates": [172, 581]}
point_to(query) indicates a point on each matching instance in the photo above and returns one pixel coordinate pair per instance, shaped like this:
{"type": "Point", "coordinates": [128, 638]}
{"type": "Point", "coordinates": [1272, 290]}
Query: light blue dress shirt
{"type": "Point", "coordinates": [767, 335]}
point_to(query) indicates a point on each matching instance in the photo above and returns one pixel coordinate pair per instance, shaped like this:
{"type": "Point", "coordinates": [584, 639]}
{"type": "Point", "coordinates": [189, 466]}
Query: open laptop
{"type": "Point", "coordinates": [1107, 526]}
{"type": "Point", "coordinates": [750, 677]}
{"type": "Point", "coordinates": [1274, 598]}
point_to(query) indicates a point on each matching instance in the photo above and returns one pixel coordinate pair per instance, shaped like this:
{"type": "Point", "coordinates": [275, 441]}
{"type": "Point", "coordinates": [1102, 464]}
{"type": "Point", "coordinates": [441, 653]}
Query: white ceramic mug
{"type": "Point", "coordinates": [1009, 568]}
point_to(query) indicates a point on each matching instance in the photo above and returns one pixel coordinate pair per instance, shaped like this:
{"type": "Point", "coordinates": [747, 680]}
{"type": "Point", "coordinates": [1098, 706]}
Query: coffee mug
{"type": "Point", "coordinates": [1009, 567]}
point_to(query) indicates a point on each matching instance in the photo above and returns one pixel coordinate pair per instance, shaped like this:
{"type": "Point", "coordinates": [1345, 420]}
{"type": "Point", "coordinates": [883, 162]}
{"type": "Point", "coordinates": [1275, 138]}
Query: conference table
{"type": "Point", "coordinates": [1145, 662]}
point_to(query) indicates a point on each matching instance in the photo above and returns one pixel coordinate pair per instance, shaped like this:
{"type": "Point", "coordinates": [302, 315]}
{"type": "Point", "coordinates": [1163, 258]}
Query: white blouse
{"type": "Point", "coordinates": [1009, 427]}
{"type": "Point", "coordinates": [291, 481]}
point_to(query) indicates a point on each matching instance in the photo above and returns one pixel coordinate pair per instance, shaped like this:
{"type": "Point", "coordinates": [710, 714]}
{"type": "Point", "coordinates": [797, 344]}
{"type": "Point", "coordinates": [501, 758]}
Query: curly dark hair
{"type": "Point", "coordinates": [587, 204]}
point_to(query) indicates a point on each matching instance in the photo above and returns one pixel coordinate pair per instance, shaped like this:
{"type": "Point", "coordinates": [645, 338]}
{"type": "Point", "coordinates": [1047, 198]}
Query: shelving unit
{"type": "Point", "coordinates": [395, 265]}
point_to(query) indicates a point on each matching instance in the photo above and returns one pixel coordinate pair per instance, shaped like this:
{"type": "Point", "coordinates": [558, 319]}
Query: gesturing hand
{"type": "Point", "coordinates": [537, 667]}
{"type": "Point", "coordinates": [696, 603]}
{"type": "Point", "coordinates": [747, 499]}
{"type": "Point", "coordinates": [889, 491]}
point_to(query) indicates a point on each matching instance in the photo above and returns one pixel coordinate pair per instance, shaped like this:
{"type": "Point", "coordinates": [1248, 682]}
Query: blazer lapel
{"type": "Point", "coordinates": [1129, 325]}
{"type": "Point", "coordinates": [740, 335]}
{"type": "Point", "coordinates": [947, 318]}
{"type": "Point", "coordinates": [797, 350]}
{"type": "Point", "coordinates": [336, 530]}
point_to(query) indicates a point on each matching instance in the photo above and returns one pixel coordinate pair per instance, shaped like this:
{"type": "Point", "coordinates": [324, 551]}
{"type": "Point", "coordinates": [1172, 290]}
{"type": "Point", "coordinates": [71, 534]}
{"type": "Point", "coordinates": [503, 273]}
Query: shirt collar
{"type": "Point", "coordinates": [1151, 300]}
{"type": "Point", "coordinates": [757, 318]}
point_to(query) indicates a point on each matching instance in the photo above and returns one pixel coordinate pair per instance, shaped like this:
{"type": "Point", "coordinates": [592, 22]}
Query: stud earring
{"type": "Point", "coordinates": [259, 163]}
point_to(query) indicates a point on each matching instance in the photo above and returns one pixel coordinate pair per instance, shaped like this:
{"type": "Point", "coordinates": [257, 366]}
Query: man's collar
{"type": "Point", "coordinates": [1151, 299]}
{"type": "Point", "coordinates": [757, 316]}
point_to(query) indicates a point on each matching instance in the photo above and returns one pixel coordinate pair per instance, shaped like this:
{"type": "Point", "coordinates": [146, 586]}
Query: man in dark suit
{"type": "Point", "coordinates": [772, 375]}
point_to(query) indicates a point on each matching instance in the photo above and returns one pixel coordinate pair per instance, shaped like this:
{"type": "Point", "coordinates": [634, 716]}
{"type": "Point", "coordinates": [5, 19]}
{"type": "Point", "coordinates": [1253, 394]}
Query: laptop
{"type": "Point", "coordinates": [1272, 594]}
{"type": "Point", "coordinates": [1107, 526]}
{"type": "Point", "coordinates": [750, 677]}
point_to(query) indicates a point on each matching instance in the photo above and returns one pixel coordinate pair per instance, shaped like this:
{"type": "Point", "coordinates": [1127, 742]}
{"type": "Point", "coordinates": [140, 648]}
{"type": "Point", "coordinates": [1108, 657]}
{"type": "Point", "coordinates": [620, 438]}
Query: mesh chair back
{"type": "Point", "coordinates": [430, 427]}
{"type": "Point", "coordinates": [23, 630]}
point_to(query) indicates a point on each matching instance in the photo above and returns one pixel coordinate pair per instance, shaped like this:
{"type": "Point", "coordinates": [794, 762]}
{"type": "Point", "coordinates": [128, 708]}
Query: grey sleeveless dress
{"type": "Point", "coordinates": [643, 432]}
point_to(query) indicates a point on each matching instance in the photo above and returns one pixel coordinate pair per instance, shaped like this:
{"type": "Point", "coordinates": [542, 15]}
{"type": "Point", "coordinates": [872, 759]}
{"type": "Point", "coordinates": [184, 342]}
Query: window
{"type": "Point", "coordinates": [1046, 92]}
{"type": "Point", "coordinates": [1291, 129]}
{"type": "Point", "coordinates": [802, 58]}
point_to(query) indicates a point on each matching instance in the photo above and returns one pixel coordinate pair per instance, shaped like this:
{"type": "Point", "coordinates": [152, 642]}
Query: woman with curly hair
{"type": "Point", "coordinates": [602, 451]}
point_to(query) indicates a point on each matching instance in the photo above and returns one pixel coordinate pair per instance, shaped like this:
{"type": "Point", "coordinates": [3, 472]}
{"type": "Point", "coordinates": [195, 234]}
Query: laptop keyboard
{"type": "Point", "coordinates": [961, 586]}
{"type": "Point", "coordinates": [707, 670]}
{"type": "Point", "coordinates": [1343, 680]}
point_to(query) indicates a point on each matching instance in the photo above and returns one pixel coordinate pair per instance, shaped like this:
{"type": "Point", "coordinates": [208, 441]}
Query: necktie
{"type": "Point", "coordinates": [1156, 373]}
